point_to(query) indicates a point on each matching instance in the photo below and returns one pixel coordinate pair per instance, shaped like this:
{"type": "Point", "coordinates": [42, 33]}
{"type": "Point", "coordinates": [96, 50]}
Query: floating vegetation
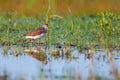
{"type": "Point", "coordinates": [65, 65]}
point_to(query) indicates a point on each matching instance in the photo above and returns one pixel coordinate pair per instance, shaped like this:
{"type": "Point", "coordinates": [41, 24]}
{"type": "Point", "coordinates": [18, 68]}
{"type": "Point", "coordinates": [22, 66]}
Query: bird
{"type": "Point", "coordinates": [37, 33]}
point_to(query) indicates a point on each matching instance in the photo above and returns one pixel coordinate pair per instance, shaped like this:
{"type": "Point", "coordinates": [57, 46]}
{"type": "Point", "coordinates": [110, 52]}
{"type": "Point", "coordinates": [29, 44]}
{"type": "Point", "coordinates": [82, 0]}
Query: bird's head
{"type": "Point", "coordinates": [45, 26]}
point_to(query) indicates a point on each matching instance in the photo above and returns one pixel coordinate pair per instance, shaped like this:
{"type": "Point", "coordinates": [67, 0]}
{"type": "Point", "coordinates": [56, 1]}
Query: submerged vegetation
{"type": "Point", "coordinates": [99, 31]}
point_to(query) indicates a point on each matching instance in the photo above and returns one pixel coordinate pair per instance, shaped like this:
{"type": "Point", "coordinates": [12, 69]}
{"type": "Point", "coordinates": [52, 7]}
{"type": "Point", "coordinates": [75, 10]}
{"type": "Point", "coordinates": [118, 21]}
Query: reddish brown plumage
{"type": "Point", "coordinates": [36, 32]}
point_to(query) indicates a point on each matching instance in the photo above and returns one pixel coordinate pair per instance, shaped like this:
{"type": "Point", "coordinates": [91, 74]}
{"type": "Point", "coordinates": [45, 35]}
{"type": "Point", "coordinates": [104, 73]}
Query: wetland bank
{"type": "Point", "coordinates": [77, 47]}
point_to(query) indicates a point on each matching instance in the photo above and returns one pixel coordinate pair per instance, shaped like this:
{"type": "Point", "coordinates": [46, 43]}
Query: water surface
{"type": "Point", "coordinates": [26, 67]}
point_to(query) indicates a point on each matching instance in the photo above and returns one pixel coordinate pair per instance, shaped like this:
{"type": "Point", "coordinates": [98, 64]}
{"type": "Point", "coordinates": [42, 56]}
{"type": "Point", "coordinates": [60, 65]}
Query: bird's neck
{"type": "Point", "coordinates": [46, 28]}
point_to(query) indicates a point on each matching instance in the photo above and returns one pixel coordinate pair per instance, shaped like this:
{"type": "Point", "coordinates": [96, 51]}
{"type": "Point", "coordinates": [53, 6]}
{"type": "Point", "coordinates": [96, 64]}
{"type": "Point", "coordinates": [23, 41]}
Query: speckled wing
{"type": "Point", "coordinates": [36, 32]}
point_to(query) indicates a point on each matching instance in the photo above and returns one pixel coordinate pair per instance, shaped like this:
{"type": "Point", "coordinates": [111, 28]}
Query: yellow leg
{"type": "Point", "coordinates": [31, 43]}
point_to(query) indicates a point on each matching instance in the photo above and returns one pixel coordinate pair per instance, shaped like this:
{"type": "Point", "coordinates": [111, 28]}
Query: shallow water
{"type": "Point", "coordinates": [28, 68]}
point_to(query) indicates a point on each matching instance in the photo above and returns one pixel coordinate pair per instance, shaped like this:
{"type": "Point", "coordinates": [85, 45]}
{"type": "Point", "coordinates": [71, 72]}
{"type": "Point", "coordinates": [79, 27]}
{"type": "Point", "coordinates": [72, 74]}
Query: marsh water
{"type": "Point", "coordinates": [75, 67]}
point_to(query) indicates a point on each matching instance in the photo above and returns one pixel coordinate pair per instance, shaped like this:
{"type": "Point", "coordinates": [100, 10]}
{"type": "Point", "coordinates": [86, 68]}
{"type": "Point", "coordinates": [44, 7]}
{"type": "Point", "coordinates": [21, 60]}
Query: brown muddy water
{"type": "Point", "coordinates": [18, 63]}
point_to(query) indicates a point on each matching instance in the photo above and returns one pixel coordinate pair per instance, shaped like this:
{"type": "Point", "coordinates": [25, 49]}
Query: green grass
{"type": "Point", "coordinates": [101, 29]}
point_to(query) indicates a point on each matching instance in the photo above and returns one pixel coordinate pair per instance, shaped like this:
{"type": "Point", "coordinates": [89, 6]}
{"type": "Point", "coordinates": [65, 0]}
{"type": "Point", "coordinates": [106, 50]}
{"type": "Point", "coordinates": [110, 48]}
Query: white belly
{"type": "Point", "coordinates": [35, 37]}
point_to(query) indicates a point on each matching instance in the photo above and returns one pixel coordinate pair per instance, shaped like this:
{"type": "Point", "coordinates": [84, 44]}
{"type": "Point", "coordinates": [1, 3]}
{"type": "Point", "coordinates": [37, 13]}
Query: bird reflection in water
{"type": "Point", "coordinates": [38, 53]}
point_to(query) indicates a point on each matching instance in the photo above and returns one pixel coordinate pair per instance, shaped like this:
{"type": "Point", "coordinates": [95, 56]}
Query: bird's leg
{"type": "Point", "coordinates": [36, 43]}
{"type": "Point", "coordinates": [31, 43]}
{"type": "Point", "coordinates": [45, 43]}
{"type": "Point", "coordinates": [27, 41]}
